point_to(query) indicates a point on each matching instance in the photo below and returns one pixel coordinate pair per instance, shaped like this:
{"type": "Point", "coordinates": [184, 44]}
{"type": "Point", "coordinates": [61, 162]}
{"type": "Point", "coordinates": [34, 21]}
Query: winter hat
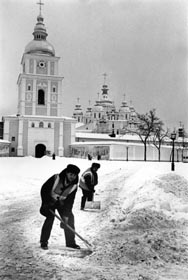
{"type": "Point", "coordinates": [73, 169]}
{"type": "Point", "coordinates": [95, 165]}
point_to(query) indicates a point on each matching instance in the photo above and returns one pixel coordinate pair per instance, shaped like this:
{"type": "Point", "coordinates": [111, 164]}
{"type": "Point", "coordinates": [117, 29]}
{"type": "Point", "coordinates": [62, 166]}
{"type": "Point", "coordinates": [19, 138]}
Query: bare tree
{"type": "Point", "coordinates": [147, 124]}
{"type": "Point", "coordinates": [158, 137]}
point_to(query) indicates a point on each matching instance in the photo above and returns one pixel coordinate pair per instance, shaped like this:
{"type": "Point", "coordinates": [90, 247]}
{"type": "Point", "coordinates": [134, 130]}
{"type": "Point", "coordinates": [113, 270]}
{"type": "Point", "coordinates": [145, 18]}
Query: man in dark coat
{"type": "Point", "coordinates": [88, 181]}
{"type": "Point", "coordinates": [58, 192]}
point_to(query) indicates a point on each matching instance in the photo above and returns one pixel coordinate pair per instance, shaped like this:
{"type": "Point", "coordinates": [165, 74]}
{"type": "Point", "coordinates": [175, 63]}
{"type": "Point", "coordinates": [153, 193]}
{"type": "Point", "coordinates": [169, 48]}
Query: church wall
{"type": "Point", "coordinates": [54, 86]}
{"type": "Point", "coordinates": [52, 68]}
{"type": "Point", "coordinates": [118, 151]}
{"type": "Point", "coordinates": [28, 108]}
{"type": "Point", "coordinates": [43, 136]}
{"type": "Point", "coordinates": [137, 153]}
{"type": "Point", "coordinates": [68, 136]}
{"type": "Point", "coordinates": [166, 153]}
{"type": "Point", "coordinates": [53, 111]}
{"type": "Point", "coordinates": [31, 65]}
{"type": "Point", "coordinates": [41, 111]}
{"type": "Point", "coordinates": [29, 84]}
{"type": "Point", "coordinates": [13, 136]}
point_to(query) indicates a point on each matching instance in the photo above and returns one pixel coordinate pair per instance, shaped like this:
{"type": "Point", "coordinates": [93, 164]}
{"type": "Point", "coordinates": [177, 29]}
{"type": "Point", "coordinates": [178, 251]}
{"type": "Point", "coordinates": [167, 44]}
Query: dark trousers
{"type": "Point", "coordinates": [48, 224]}
{"type": "Point", "coordinates": [86, 196]}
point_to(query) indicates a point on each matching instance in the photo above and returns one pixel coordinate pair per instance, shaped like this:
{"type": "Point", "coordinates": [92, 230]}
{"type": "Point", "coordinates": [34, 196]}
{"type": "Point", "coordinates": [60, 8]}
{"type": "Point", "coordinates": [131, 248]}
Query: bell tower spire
{"type": "Point", "coordinates": [39, 84]}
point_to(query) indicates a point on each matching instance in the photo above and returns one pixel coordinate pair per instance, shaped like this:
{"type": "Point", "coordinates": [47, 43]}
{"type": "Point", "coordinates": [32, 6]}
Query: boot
{"type": "Point", "coordinates": [83, 201]}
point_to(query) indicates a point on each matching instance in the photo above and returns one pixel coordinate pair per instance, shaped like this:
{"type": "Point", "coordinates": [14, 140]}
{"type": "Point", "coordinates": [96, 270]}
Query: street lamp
{"type": "Point", "coordinates": [173, 137]}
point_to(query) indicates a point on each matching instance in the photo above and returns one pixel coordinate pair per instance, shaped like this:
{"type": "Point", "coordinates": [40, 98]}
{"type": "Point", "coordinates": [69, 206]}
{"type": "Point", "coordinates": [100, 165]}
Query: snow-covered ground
{"type": "Point", "coordinates": [140, 233]}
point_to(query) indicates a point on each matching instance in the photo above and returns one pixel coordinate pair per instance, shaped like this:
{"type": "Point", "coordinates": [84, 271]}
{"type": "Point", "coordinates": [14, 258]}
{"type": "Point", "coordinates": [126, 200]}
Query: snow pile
{"type": "Point", "coordinates": [148, 226]}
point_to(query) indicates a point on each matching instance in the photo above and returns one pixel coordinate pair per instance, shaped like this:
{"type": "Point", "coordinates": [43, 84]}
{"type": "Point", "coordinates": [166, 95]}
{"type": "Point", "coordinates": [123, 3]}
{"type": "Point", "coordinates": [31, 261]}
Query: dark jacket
{"type": "Point", "coordinates": [47, 199]}
{"type": "Point", "coordinates": [88, 180]}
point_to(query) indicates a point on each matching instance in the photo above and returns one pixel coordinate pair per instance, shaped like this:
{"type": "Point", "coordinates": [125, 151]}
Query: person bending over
{"type": "Point", "coordinates": [58, 192]}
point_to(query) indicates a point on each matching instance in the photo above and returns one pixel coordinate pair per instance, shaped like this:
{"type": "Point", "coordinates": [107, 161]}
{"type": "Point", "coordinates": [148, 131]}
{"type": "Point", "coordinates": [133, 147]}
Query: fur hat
{"type": "Point", "coordinates": [73, 169]}
{"type": "Point", "coordinates": [95, 165]}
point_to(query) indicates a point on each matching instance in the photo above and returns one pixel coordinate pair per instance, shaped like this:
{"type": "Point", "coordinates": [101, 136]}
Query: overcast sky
{"type": "Point", "coordinates": [140, 44]}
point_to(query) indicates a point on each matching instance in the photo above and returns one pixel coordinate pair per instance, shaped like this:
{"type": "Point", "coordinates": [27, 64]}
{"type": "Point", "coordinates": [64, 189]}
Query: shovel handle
{"type": "Point", "coordinates": [84, 240]}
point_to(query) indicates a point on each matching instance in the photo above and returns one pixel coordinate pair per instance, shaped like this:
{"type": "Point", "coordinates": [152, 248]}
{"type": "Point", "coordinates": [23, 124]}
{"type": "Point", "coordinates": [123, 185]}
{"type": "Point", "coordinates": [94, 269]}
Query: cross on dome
{"type": "Point", "coordinates": [105, 75]}
{"type": "Point", "coordinates": [40, 3]}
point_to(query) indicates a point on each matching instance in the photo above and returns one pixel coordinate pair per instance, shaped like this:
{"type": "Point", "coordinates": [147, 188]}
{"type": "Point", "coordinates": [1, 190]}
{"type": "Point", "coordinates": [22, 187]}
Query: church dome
{"type": "Point", "coordinates": [41, 47]}
{"type": "Point", "coordinates": [39, 44]}
{"type": "Point", "coordinates": [97, 107]}
{"type": "Point", "coordinates": [124, 109]}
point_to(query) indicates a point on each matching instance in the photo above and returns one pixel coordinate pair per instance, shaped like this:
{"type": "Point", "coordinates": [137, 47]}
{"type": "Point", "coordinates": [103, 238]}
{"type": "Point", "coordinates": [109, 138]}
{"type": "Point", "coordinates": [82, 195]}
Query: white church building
{"type": "Point", "coordinates": [39, 127]}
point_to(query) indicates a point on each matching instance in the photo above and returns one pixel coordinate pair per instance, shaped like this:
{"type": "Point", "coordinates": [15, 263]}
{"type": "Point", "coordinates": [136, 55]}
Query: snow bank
{"type": "Point", "coordinates": [151, 222]}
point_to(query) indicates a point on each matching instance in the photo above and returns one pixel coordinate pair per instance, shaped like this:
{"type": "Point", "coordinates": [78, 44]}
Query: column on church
{"type": "Point", "coordinates": [59, 99]}
{"type": "Point", "coordinates": [27, 65]}
{"type": "Point", "coordinates": [20, 137]}
{"type": "Point", "coordinates": [60, 148]}
{"type": "Point", "coordinates": [22, 97]}
{"type": "Point", "coordinates": [35, 67]}
{"type": "Point", "coordinates": [56, 70]}
{"type": "Point", "coordinates": [48, 68]}
{"type": "Point", "coordinates": [34, 98]}
{"type": "Point", "coordinates": [48, 98]}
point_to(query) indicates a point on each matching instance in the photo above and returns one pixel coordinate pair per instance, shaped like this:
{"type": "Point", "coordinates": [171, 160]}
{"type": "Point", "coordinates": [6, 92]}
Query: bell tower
{"type": "Point", "coordinates": [39, 84]}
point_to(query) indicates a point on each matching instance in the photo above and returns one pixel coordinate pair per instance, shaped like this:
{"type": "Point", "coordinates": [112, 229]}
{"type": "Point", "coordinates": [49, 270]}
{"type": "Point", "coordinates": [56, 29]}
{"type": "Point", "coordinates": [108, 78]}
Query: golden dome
{"type": "Point", "coordinates": [41, 47]}
{"type": "Point", "coordinates": [39, 44]}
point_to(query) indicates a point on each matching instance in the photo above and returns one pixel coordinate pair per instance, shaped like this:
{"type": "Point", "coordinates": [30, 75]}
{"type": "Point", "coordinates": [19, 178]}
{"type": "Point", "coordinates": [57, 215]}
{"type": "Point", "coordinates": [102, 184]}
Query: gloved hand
{"type": "Point", "coordinates": [61, 201]}
{"type": "Point", "coordinates": [44, 209]}
{"type": "Point", "coordinates": [65, 221]}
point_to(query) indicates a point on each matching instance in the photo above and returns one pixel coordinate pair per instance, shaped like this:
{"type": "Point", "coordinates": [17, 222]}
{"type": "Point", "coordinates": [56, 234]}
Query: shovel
{"type": "Point", "coordinates": [95, 205]}
{"type": "Point", "coordinates": [89, 246]}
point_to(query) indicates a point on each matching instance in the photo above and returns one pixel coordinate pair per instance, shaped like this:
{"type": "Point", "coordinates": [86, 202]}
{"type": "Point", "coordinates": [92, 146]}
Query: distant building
{"type": "Point", "coordinates": [104, 117]}
{"type": "Point", "coordinates": [39, 127]}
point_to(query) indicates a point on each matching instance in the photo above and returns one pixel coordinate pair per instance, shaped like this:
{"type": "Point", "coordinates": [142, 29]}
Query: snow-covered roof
{"type": "Point", "coordinates": [40, 116]}
{"type": "Point", "coordinates": [2, 141]}
{"type": "Point", "coordinates": [102, 143]}
{"type": "Point", "coordinates": [78, 124]}
{"type": "Point", "coordinates": [106, 136]}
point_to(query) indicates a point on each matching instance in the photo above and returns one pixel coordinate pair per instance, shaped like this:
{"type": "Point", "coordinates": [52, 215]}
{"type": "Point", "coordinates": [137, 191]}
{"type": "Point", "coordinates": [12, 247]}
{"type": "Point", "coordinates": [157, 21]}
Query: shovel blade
{"type": "Point", "coordinates": [93, 205]}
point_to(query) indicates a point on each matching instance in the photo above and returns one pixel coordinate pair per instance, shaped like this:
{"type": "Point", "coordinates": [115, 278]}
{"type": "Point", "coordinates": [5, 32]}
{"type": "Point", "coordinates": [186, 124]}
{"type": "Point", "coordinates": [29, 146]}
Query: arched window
{"type": "Point", "coordinates": [32, 125]}
{"type": "Point", "coordinates": [54, 89]}
{"type": "Point", "coordinates": [41, 97]}
{"type": "Point", "coordinates": [49, 125]}
{"type": "Point", "coordinates": [29, 87]}
{"type": "Point", "coordinates": [41, 124]}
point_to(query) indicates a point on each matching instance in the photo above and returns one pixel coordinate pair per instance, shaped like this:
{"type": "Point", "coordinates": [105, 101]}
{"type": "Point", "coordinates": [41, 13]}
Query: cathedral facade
{"type": "Point", "coordinates": [104, 117]}
{"type": "Point", "coordinates": [39, 127]}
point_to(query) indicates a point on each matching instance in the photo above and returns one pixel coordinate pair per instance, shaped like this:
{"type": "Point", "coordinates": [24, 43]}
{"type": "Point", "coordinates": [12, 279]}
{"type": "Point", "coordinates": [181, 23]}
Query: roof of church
{"type": "Point", "coordinates": [42, 47]}
{"type": "Point", "coordinates": [39, 44]}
